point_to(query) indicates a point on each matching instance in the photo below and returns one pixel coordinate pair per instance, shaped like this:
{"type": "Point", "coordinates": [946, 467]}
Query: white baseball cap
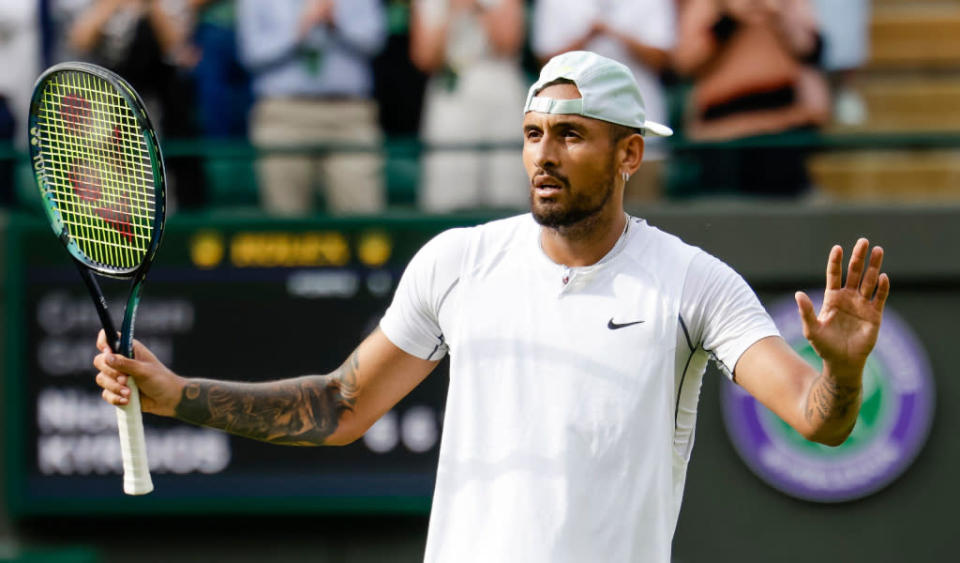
{"type": "Point", "coordinates": [607, 88]}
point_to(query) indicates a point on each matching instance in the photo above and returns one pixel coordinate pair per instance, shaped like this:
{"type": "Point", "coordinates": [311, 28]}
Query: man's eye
{"type": "Point", "coordinates": [532, 134]}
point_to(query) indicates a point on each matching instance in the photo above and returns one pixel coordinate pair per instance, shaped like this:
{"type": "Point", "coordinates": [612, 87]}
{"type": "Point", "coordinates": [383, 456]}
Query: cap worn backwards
{"type": "Point", "coordinates": [607, 88]}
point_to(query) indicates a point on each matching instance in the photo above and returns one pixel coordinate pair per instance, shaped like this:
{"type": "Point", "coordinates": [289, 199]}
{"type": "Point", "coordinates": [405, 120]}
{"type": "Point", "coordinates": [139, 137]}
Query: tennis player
{"type": "Point", "coordinates": [578, 338]}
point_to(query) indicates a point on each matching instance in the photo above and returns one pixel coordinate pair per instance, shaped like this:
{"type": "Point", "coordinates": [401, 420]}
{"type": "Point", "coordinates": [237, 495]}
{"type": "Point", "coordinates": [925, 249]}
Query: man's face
{"type": "Point", "coordinates": [570, 160]}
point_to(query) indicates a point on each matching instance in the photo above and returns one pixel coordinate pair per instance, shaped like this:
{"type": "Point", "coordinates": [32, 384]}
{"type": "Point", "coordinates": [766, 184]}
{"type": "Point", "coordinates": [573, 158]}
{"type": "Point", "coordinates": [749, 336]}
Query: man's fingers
{"type": "Point", "coordinates": [835, 267]}
{"type": "Point", "coordinates": [883, 290]}
{"type": "Point", "coordinates": [858, 260]}
{"type": "Point", "coordinates": [121, 366]}
{"type": "Point", "coordinates": [869, 283]}
{"type": "Point", "coordinates": [102, 343]}
{"type": "Point", "coordinates": [100, 362]}
{"type": "Point", "coordinates": [113, 398]}
{"type": "Point", "coordinates": [112, 381]}
{"type": "Point", "coordinates": [807, 313]}
{"type": "Point", "coordinates": [109, 382]}
{"type": "Point", "coordinates": [140, 352]}
{"type": "Point", "coordinates": [124, 365]}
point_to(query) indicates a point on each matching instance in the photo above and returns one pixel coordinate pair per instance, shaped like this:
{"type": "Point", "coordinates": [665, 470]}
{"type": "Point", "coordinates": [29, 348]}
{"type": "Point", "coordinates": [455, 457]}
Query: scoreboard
{"type": "Point", "coordinates": [241, 299]}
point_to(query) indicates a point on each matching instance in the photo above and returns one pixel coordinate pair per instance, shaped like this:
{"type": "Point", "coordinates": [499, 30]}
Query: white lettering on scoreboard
{"type": "Point", "coordinates": [77, 429]}
{"type": "Point", "coordinates": [78, 436]}
{"type": "Point", "coordinates": [65, 356]}
{"type": "Point", "coordinates": [177, 450]}
{"type": "Point", "coordinates": [60, 313]}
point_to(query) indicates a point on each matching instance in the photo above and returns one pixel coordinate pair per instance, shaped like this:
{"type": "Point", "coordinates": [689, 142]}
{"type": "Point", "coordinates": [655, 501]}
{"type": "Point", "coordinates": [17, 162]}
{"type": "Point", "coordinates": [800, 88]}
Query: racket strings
{"type": "Point", "coordinates": [97, 167]}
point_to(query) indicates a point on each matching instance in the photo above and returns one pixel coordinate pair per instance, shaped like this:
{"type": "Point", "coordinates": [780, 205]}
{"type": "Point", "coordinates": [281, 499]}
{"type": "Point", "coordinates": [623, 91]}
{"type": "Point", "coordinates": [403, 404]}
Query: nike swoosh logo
{"type": "Point", "coordinates": [614, 326]}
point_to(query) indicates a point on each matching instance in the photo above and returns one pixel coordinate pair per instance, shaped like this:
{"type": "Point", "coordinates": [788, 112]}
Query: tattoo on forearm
{"type": "Point", "coordinates": [300, 412]}
{"type": "Point", "coordinates": [832, 401]}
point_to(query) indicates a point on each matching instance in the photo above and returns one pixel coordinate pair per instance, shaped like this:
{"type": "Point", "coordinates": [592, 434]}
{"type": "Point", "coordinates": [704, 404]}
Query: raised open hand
{"type": "Point", "coordinates": [845, 330]}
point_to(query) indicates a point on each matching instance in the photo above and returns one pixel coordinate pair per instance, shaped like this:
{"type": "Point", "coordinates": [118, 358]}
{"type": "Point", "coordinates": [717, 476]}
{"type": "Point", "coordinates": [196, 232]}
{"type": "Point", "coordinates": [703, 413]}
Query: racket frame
{"type": "Point", "coordinates": [135, 104]}
{"type": "Point", "coordinates": [141, 482]}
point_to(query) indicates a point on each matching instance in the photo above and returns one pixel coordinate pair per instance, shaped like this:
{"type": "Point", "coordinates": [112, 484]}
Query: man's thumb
{"type": "Point", "coordinates": [124, 364]}
{"type": "Point", "coordinates": [142, 353]}
{"type": "Point", "coordinates": [805, 307]}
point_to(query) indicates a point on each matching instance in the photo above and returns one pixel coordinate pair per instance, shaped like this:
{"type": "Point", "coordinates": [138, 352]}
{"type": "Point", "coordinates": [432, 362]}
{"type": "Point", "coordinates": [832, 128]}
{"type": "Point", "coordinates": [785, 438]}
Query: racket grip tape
{"type": "Point", "coordinates": [133, 445]}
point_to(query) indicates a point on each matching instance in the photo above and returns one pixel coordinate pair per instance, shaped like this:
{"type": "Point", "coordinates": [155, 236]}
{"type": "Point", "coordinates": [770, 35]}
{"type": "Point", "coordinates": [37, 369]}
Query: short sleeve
{"type": "Point", "coordinates": [721, 313]}
{"type": "Point", "coordinates": [412, 322]}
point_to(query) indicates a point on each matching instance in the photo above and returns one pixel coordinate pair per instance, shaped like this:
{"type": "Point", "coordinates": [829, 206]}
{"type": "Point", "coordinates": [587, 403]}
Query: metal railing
{"type": "Point", "coordinates": [408, 150]}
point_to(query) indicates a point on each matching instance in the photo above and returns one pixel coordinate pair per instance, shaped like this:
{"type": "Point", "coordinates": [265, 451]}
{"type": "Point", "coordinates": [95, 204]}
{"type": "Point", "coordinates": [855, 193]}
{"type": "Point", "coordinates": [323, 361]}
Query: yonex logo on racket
{"type": "Point", "coordinates": [75, 111]}
{"type": "Point", "coordinates": [99, 158]}
{"type": "Point", "coordinates": [119, 220]}
{"type": "Point", "coordinates": [85, 181]}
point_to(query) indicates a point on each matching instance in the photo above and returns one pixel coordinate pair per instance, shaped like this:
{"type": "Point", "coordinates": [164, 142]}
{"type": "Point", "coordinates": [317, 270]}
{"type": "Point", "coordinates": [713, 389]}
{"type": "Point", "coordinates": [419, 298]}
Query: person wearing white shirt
{"type": "Point", "coordinates": [471, 49]}
{"type": "Point", "coordinates": [578, 337]}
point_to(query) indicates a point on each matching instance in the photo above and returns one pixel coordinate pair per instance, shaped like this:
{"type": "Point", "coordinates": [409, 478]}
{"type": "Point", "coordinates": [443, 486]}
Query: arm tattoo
{"type": "Point", "coordinates": [832, 401]}
{"type": "Point", "coordinates": [299, 412]}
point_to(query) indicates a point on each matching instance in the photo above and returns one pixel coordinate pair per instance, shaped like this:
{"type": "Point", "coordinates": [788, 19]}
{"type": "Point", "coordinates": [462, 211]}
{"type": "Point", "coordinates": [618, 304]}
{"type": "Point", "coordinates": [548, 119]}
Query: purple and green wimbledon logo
{"type": "Point", "coordinates": [894, 419]}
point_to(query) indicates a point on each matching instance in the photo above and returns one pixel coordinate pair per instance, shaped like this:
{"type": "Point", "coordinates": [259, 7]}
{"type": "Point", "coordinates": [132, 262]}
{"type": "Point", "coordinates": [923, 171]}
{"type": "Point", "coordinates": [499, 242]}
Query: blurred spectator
{"type": "Point", "coordinates": [638, 33]}
{"type": "Point", "coordinates": [145, 42]}
{"type": "Point", "coordinates": [399, 85]}
{"type": "Point", "coordinates": [19, 59]}
{"type": "Point", "coordinates": [753, 68]}
{"type": "Point", "coordinates": [472, 49]}
{"type": "Point", "coordinates": [312, 81]}
{"type": "Point", "coordinates": [845, 27]}
{"type": "Point", "coordinates": [223, 86]}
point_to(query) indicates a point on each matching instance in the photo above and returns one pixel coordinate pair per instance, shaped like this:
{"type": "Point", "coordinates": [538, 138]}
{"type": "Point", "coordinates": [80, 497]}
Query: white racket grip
{"type": "Point", "coordinates": [133, 445]}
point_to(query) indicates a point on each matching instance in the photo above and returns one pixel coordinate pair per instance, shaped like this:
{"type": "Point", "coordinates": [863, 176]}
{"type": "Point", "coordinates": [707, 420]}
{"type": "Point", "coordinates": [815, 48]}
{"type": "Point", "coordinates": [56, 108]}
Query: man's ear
{"type": "Point", "coordinates": [631, 153]}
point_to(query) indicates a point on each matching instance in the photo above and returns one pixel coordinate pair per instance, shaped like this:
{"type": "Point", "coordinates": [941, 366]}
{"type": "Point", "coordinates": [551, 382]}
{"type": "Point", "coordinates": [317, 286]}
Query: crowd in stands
{"type": "Point", "coordinates": [299, 77]}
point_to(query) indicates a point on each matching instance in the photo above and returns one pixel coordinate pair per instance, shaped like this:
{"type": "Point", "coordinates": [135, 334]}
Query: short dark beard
{"type": "Point", "coordinates": [579, 218]}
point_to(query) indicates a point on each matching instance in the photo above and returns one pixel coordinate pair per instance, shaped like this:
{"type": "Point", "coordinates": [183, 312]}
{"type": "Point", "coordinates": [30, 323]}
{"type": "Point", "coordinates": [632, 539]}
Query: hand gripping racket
{"type": "Point", "coordinates": [100, 172]}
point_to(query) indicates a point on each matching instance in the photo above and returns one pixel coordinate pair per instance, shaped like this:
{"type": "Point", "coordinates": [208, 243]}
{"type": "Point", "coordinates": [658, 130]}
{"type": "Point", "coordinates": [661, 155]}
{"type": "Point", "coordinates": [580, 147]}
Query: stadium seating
{"type": "Point", "coordinates": [911, 88]}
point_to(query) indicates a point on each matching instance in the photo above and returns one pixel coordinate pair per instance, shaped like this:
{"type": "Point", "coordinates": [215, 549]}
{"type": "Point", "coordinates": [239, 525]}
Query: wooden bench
{"type": "Point", "coordinates": [888, 175]}
{"type": "Point", "coordinates": [915, 35]}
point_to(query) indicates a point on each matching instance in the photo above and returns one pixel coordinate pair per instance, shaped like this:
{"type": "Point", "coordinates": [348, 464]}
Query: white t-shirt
{"type": "Point", "coordinates": [573, 391]}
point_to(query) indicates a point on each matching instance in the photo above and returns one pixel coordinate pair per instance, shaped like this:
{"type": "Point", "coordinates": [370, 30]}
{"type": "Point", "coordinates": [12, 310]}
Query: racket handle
{"type": "Point", "coordinates": [133, 445]}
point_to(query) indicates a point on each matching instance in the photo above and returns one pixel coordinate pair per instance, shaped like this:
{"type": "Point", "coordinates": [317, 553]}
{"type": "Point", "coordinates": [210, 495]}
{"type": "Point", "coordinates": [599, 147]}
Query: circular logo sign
{"type": "Point", "coordinates": [894, 419]}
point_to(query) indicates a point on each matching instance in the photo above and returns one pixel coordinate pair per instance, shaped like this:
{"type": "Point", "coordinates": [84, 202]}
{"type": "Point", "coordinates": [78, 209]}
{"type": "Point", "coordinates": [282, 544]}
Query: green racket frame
{"type": "Point", "coordinates": [136, 470]}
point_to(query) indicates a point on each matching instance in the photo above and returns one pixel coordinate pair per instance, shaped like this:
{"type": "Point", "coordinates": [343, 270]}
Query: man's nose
{"type": "Point", "coordinates": [546, 153]}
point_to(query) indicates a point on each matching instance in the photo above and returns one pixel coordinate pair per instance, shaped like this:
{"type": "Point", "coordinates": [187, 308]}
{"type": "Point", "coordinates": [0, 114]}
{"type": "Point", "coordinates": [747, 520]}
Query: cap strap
{"type": "Point", "coordinates": [552, 105]}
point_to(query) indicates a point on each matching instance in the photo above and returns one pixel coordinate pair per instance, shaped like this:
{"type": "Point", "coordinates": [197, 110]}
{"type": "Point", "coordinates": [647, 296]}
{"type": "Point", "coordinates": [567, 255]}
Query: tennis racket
{"type": "Point", "coordinates": [100, 172]}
